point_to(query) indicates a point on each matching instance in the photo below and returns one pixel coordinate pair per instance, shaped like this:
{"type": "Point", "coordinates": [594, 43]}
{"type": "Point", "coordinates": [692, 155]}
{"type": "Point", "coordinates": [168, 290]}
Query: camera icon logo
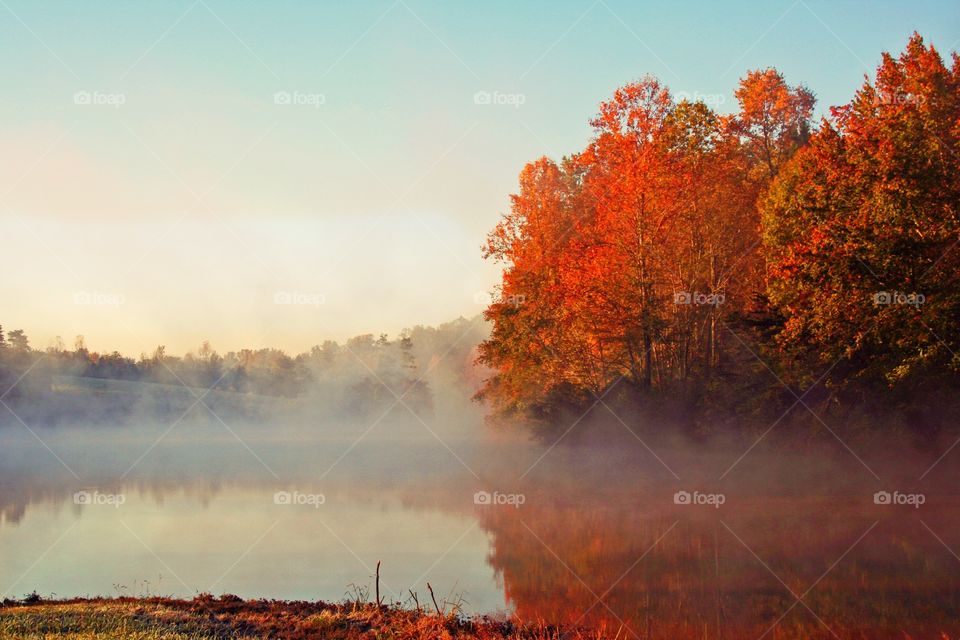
{"type": "Point", "coordinates": [282, 497]}
{"type": "Point", "coordinates": [282, 97]}
{"type": "Point", "coordinates": [682, 297]}
{"type": "Point", "coordinates": [482, 497]}
{"type": "Point", "coordinates": [681, 497]}
{"type": "Point", "coordinates": [882, 497]}
{"type": "Point", "coordinates": [82, 497]}
{"type": "Point", "coordinates": [882, 297]}
{"type": "Point", "coordinates": [482, 97]}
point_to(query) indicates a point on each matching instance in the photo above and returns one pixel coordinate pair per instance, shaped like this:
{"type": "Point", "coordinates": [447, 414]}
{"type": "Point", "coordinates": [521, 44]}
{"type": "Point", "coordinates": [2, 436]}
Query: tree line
{"type": "Point", "coordinates": [363, 375]}
{"type": "Point", "coordinates": [692, 255]}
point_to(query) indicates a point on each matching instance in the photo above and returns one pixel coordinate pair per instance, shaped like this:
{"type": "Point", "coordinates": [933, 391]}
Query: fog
{"type": "Point", "coordinates": [146, 487]}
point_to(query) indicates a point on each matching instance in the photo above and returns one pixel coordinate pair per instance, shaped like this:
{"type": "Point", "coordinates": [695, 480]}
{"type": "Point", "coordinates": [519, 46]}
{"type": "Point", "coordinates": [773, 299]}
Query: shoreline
{"type": "Point", "coordinates": [208, 617]}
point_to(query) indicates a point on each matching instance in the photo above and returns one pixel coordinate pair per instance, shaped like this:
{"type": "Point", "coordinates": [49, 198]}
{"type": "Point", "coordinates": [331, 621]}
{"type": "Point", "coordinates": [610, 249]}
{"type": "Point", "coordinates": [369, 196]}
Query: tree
{"type": "Point", "coordinates": [530, 342]}
{"type": "Point", "coordinates": [714, 257]}
{"type": "Point", "coordinates": [56, 346]}
{"type": "Point", "coordinates": [774, 118]}
{"type": "Point", "coordinates": [860, 228]}
{"type": "Point", "coordinates": [629, 255]}
{"type": "Point", "coordinates": [597, 249]}
{"type": "Point", "coordinates": [18, 340]}
{"type": "Point", "coordinates": [629, 180]}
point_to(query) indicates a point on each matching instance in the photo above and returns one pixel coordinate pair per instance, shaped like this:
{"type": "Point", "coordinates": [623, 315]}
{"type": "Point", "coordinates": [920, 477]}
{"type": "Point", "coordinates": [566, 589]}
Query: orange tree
{"type": "Point", "coordinates": [860, 229]}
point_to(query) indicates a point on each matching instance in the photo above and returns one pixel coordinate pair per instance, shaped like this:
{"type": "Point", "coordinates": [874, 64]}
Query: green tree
{"type": "Point", "coordinates": [18, 340]}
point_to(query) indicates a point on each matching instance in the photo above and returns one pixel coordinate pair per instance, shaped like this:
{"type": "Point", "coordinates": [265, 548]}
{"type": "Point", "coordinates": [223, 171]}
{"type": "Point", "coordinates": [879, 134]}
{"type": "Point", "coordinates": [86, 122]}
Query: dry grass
{"type": "Point", "coordinates": [209, 618]}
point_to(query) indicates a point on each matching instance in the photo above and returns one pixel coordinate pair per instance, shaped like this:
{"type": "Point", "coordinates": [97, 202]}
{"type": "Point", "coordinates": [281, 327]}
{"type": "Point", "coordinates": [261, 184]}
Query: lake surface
{"type": "Point", "coordinates": [780, 546]}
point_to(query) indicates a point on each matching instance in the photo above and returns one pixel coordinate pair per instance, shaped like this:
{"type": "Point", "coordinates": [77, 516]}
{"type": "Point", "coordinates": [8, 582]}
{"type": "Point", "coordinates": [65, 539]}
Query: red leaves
{"type": "Point", "coordinates": [610, 250]}
{"type": "Point", "coordinates": [866, 208]}
{"type": "Point", "coordinates": [661, 201]}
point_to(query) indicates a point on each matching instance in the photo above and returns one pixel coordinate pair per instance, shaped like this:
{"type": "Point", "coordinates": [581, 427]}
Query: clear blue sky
{"type": "Point", "coordinates": [180, 184]}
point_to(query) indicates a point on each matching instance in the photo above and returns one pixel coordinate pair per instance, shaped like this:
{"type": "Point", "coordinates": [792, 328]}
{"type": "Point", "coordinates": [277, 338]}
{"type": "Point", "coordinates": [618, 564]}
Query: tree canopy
{"type": "Point", "coordinates": [631, 262]}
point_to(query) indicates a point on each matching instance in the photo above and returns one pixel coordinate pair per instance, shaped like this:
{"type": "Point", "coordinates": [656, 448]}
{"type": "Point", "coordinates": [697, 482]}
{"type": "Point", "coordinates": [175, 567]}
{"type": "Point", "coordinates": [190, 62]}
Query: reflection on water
{"type": "Point", "coordinates": [207, 515]}
{"type": "Point", "coordinates": [671, 573]}
{"type": "Point", "coordinates": [797, 549]}
{"type": "Point", "coordinates": [237, 540]}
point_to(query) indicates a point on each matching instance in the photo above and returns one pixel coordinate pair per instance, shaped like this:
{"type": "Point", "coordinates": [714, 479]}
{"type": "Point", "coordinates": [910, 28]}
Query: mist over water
{"type": "Point", "coordinates": [656, 534]}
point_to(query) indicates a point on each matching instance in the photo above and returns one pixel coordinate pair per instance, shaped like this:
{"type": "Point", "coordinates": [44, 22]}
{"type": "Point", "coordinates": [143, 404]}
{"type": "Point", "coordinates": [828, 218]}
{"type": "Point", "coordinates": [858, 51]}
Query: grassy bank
{"type": "Point", "coordinates": [209, 618]}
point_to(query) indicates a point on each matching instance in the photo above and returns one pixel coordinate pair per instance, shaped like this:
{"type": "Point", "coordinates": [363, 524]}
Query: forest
{"type": "Point", "coordinates": [719, 267]}
{"type": "Point", "coordinates": [729, 264]}
{"type": "Point", "coordinates": [358, 378]}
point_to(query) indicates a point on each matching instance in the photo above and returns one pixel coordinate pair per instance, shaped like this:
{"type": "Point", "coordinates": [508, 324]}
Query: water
{"type": "Point", "coordinates": [200, 512]}
{"type": "Point", "coordinates": [798, 547]}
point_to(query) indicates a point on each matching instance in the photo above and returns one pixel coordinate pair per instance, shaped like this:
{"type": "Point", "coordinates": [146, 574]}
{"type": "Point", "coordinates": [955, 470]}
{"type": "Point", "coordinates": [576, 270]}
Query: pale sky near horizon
{"type": "Point", "coordinates": [281, 173]}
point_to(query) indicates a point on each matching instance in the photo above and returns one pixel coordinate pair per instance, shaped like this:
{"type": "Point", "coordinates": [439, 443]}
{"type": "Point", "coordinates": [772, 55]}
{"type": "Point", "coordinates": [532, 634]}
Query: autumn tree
{"type": "Point", "coordinates": [860, 228]}
{"type": "Point", "coordinates": [617, 261]}
{"type": "Point", "coordinates": [623, 262]}
{"type": "Point", "coordinates": [715, 266]}
{"type": "Point", "coordinates": [531, 348]}
{"type": "Point", "coordinates": [615, 275]}
{"type": "Point", "coordinates": [774, 118]}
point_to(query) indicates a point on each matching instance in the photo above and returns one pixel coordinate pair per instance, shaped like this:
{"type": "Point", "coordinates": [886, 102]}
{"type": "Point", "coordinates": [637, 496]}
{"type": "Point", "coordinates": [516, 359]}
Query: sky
{"type": "Point", "coordinates": [281, 173]}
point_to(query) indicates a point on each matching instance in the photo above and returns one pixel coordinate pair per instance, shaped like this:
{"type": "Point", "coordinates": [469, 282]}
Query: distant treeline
{"type": "Point", "coordinates": [737, 261]}
{"type": "Point", "coordinates": [363, 375]}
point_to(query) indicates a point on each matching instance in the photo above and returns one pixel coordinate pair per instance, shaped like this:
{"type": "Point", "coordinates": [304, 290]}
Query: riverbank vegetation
{"type": "Point", "coordinates": [211, 618]}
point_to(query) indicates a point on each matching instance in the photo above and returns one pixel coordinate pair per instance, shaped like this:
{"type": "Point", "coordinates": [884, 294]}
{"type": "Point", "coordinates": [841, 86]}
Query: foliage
{"type": "Point", "coordinates": [860, 229]}
{"type": "Point", "coordinates": [682, 241]}
{"type": "Point", "coordinates": [623, 263]}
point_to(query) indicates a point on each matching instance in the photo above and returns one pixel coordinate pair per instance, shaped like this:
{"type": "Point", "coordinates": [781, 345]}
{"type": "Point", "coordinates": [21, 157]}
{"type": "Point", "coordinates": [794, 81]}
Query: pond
{"type": "Point", "coordinates": [661, 542]}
